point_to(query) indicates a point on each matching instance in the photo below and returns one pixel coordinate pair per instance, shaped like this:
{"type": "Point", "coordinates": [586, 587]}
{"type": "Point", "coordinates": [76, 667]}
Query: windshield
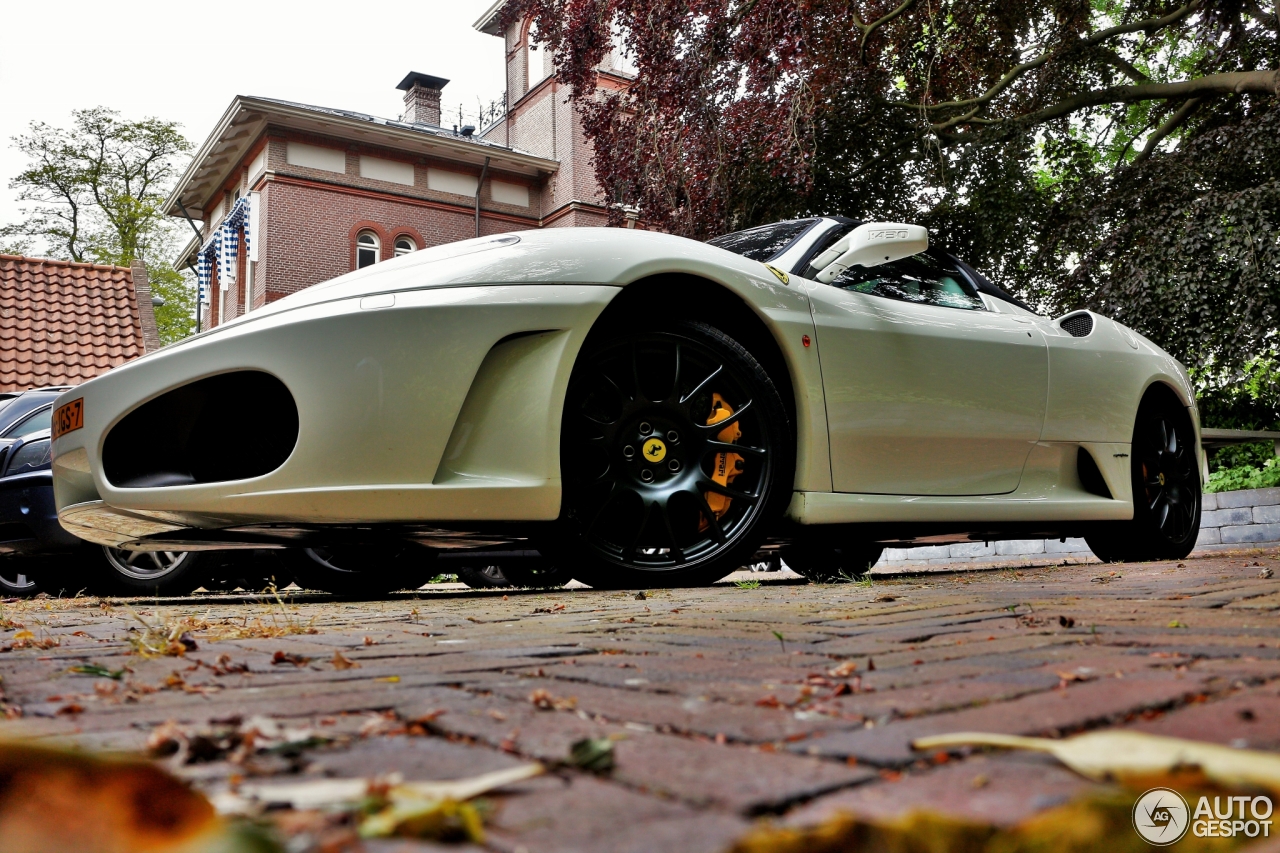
{"type": "Point", "coordinates": [764, 242]}
{"type": "Point", "coordinates": [34, 422]}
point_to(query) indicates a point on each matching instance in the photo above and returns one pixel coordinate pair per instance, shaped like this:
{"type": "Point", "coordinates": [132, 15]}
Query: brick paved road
{"type": "Point", "coordinates": [717, 721]}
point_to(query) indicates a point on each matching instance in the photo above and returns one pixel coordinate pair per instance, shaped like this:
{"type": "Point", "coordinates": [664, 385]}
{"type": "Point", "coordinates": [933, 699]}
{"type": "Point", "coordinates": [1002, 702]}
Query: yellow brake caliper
{"type": "Point", "coordinates": [727, 465]}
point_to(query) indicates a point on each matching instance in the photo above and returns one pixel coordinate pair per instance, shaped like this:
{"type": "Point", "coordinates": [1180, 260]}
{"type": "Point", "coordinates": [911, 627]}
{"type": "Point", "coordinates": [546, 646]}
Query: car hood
{"type": "Point", "coordinates": [545, 256]}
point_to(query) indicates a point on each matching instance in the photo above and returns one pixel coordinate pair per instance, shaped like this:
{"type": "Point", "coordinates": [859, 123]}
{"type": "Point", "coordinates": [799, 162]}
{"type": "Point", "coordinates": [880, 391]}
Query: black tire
{"type": "Point", "coordinates": [536, 573]}
{"type": "Point", "coordinates": [1166, 490]}
{"type": "Point", "coordinates": [486, 576]}
{"type": "Point", "coordinates": [533, 572]}
{"type": "Point", "coordinates": [252, 570]}
{"type": "Point", "coordinates": [642, 505]}
{"type": "Point", "coordinates": [119, 572]}
{"type": "Point", "coordinates": [821, 560]}
{"type": "Point", "coordinates": [363, 570]}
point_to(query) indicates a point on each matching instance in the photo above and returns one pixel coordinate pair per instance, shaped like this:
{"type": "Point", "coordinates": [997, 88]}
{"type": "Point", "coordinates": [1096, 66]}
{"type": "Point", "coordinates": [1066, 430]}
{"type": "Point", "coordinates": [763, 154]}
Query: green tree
{"type": "Point", "coordinates": [94, 193]}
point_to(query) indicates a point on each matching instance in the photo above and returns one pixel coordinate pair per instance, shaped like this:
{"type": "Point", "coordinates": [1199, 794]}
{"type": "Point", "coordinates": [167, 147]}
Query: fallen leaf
{"type": "Point", "coordinates": [99, 671]}
{"type": "Point", "coordinates": [327, 793]}
{"type": "Point", "coordinates": [594, 755]}
{"type": "Point", "coordinates": [1176, 624]}
{"type": "Point", "coordinates": [544, 701]}
{"type": "Point", "coordinates": [389, 679]}
{"type": "Point", "coordinates": [59, 801]}
{"type": "Point", "coordinates": [340, 662]}
{"type": "Point", "coordinates": [224, 666]}
{"type": "Point", "coordinates": [282, 657]}
{"type": "Point", "coordinates": [844, 670]}
{"type": "Point", "coordinates": [1066, 621]}
{"type": "Point", "coordinates": [1134, 757]}
{"type": "Point", "coordinates": [1095, 822]}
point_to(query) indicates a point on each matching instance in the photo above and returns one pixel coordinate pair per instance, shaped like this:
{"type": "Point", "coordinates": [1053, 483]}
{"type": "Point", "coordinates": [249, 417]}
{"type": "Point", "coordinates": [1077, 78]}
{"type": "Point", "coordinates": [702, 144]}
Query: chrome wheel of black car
{"type": "Point", "coordinates": [147, 572]}
{"type": "Point", "coordinates": [1166, 490]}
{"type": "Point", "coordinates": [145, 566]}
{"type": "Point", "coordinates": [674, 441]}
{"type": "Point", "coordinates": [16, 582]}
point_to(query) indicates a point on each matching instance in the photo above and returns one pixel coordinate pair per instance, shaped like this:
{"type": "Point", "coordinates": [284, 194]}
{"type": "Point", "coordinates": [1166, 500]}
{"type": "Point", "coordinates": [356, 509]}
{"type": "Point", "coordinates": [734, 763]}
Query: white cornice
{"type": "Point", "coordinates": [247, 118]}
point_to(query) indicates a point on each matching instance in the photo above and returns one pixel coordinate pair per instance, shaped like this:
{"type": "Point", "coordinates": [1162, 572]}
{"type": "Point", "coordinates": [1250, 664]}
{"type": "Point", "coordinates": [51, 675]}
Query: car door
{"type": "Point", "coordinates": [928, 392]}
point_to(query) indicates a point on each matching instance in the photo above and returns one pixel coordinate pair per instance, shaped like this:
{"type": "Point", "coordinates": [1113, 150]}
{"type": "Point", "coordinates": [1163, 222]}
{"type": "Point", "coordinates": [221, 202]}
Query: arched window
{"type": "Point", "coordinates": [366, 249]}
{"type": "Point", "coordinates": [535, 62]}
{"type": "Point", "coordinates": [404, 246]}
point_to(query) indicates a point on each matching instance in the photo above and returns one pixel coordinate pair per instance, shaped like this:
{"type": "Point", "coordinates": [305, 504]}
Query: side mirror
{"type": "Point", "coordinates": [869, 245]}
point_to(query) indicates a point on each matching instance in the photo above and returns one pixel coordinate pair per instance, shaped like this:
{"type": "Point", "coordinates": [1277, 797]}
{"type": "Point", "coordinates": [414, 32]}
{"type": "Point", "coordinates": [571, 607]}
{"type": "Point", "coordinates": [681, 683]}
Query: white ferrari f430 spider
{"type": "Point", "coordinates": [645, 409]}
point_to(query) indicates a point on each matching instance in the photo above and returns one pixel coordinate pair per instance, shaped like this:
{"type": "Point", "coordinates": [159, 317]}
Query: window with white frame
{"type": "Point", "coordinates": [621, 58]}
{"type": "Point", "coordinates": [404, 246]}
{"type": "Point", "coordinates": [367, 247]}
{"type": "Point", "coordinates": [535, 61]}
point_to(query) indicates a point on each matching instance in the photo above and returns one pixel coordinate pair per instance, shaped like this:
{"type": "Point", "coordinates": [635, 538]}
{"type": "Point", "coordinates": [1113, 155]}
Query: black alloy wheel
{"type": "Point", "coordinates": [677, 454]}
{"type": "Point", "coordinates": [1166, 491]}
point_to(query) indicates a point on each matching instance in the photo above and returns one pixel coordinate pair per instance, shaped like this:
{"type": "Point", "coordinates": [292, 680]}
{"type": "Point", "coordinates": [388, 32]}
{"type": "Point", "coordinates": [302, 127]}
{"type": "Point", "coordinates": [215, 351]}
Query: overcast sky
{"type": "Point", "coordinates": [185, 62]}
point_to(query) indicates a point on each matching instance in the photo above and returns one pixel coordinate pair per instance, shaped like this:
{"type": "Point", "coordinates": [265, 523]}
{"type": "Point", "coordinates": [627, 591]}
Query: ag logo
{"type": "Point", "coordinates": [654, 450]}
{"type": "Point", "coordinates": [1161, 816]}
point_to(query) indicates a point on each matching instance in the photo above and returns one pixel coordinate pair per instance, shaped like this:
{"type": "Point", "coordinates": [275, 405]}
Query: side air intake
{"type": "Point", "coordinates": [1078, 325]}
{"type": "Point", "coordinates": [1090, 476]}
{"type": "Point", "coordinates": [232, 426]}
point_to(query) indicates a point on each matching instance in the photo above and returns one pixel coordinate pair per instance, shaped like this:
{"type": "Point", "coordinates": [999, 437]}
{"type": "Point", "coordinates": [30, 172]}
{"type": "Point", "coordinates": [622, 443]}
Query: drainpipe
{"type": "Point", "coordinates": [479, 186]}
{"type": "Point", "coordinates": [199, 240]}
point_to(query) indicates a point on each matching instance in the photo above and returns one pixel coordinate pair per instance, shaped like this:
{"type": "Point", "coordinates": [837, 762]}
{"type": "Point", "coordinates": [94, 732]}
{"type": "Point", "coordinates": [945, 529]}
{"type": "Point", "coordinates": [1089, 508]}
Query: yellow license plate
{"type": "Point", "coordinates": [68, 417]}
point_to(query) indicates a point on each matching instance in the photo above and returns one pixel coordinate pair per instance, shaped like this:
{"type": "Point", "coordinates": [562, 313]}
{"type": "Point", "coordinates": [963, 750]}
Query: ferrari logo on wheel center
{"type": "Point", "coordinates": [654, 450]}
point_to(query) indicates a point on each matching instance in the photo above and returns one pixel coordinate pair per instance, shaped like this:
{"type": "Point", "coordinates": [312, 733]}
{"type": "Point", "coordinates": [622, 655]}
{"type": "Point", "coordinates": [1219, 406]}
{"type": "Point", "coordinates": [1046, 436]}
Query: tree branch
{"type": "Point", "coordinates": [868, 29]}
{"type": "Point", "coordinates": [1226, 83]}
{"type": "Point", "coordinates": [1270, 20]}
{"type": "Point", "coordinates": [1171, 124]}
{"type": "Point", "coordinates": [1125, 66]}
{"type": "Point", "coordinates": [1231, 82]}
{"type": "Point", "coordinates": [1097, 38]}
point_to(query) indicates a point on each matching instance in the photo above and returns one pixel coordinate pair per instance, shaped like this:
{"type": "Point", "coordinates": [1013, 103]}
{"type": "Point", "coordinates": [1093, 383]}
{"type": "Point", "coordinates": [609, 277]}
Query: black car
{"type": "Point", "coordinates": [35, 550]}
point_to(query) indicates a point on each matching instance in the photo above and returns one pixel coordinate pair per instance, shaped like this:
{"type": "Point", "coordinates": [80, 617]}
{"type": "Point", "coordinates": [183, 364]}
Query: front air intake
{"type": "Point", "coordinates": [232, 426]}
{"type": "Point", "coordinates": [1078, 325]}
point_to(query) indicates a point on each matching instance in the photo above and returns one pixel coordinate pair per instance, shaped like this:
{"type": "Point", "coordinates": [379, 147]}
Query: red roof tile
{"type": "Point", "coordinates": [63, 323]}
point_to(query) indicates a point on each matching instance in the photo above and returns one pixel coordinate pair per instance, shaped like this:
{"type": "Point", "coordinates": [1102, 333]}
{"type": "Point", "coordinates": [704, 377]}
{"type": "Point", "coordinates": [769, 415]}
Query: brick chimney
{"type": "Point", "coordinates": [422, 98]}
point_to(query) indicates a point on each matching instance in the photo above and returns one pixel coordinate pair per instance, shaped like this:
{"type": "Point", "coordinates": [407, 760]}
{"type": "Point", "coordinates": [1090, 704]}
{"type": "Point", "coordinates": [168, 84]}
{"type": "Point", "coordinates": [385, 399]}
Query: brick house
{"type": "Point", "coordinates": [63, 323]}
{"type": "Point", "coordinates": [289, 195]}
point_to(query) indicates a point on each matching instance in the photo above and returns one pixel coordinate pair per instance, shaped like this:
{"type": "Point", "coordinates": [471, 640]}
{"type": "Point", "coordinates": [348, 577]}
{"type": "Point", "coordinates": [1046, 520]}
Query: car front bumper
{"type": "Point", "coordinates": [28, 517]}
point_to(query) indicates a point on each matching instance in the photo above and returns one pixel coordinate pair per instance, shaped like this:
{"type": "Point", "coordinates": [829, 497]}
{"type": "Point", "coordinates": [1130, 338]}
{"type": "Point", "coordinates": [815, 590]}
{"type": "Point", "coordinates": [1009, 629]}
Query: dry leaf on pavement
{"type": "Point", "coordinates": [437, 810]}
{"type": "Point", "coordinates": [340, 662]}
{"type": "Point", "coordinates": [57, 801]}
{"type": "Point", "coordinates": [1134, 757]}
